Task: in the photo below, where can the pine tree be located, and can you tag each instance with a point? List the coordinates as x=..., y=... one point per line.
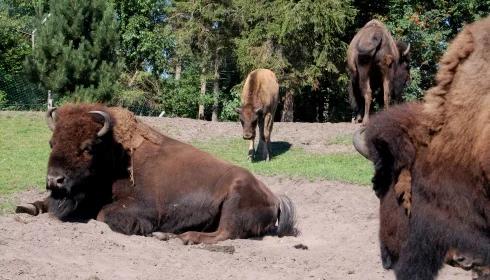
x=75, y=52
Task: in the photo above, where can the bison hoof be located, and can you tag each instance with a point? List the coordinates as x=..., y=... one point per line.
x=30, y=209
x=163, y=236
x=188, y=242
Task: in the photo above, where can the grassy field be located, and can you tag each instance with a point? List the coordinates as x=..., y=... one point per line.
x=295, y=162
x=24, y=152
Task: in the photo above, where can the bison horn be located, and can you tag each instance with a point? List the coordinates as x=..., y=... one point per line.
x=406, y=50
x=50, y=118
x=107, y=122
x=359, y=143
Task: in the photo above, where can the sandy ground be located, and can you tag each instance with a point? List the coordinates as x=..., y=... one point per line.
x=338, y=224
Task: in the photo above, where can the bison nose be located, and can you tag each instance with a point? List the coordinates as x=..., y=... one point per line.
x=54, y=182
x=248, y=136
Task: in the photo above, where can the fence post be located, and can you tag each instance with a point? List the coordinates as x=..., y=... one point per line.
x=50, y=100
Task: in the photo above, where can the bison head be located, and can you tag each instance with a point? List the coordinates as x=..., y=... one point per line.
x=249, y=117
x=80, y=156
x=402, y=70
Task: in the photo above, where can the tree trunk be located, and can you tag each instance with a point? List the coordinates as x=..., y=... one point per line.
x=214, y=116
x=200, y=114
x=288, y=108
x=178, y=70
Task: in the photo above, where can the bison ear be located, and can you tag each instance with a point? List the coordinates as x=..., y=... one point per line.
x=259, y=110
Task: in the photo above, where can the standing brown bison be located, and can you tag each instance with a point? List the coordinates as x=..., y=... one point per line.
x=106, y=164
x=440, y=150
x=375, y=61
x=259, y=99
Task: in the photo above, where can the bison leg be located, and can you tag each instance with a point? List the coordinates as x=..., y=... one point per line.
x=244, y=213
x=355, y=99
x=129, y=216
x=386, y=91
x=364, y=83
x=33, y=209
x=194, y=237
x=251, y=150
x=262, y=145
x=164, y=236
x=268, y=122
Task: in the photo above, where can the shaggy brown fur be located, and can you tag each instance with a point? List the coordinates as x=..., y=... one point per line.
x=139, y=182
x=375, y=61
x=259, y=99
x=391, y=131
x=444, y=146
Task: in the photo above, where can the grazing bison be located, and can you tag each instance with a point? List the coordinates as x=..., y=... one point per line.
x=106, y=164
x=258, y=105
x=441, y=150
x=375, y=61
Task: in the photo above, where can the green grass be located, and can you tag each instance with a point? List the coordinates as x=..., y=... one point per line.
x=295, y=162
x=24, y=151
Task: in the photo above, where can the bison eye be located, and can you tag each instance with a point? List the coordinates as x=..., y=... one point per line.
x=86, y=147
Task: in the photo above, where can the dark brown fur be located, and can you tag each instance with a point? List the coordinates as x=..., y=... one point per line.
x=259, y=99
x=139, y=182
x=375, y=61
x=444, y=144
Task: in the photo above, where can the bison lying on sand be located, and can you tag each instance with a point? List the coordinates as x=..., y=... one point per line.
x=440, y=152
x=106, y=164
x=259, y=99
x=375, y=61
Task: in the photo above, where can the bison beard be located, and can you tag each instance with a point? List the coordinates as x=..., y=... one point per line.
x=105, y=164
x=442, y=144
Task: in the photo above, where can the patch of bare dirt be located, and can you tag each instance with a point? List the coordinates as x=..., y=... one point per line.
x=338, y=224
x=313, y=137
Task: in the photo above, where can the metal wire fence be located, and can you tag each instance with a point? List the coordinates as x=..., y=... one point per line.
x=18, y=93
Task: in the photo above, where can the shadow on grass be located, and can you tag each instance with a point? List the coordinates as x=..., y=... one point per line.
x=278, y=148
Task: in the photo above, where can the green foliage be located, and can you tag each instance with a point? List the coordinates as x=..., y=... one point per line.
x=145, y=39
x=167, y=49
x=182, y=99
x=75, y=51
x=14, y=46
x=230, y=105
x=3, y=98
x=301, y=41
x=429, y=26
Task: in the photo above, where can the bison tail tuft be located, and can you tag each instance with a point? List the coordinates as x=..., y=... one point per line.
x=287, y=217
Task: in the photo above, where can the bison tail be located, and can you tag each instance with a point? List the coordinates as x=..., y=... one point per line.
x=286, y=217
x=369, y=44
